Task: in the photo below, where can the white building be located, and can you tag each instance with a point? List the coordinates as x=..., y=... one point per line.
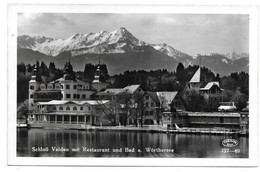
x=65, y=102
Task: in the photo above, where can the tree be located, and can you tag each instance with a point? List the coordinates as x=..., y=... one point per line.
x=194, y=102
x=240, y=99
x=21, y=68
x=52, y=67
x=110, y=110
x=22, y=110
x=44, y=71
x=217, y=78
x=89, y=71
x=180, y=72
x=38, y=75
x=29, y=68
x=135, y=107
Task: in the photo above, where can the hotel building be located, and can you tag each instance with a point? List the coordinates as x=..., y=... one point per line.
x=65, y=102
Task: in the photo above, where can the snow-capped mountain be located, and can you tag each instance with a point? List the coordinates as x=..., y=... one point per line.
x=120, y=50
x=176, y=54
x=118, y=41
x=235, y=56
x=221, y=64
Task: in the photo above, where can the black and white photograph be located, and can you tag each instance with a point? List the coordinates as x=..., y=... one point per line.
x=131, y=83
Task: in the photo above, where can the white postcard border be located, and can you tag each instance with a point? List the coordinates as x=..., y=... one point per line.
x=13, y=9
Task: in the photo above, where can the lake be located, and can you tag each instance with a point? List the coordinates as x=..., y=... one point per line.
x=73, y=143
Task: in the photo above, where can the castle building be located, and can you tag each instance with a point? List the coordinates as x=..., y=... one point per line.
x=63, y=102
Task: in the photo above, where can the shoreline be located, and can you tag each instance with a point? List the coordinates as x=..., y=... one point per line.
x=149, y=129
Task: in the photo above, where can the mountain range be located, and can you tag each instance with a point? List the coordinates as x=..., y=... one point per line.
x=121, y=51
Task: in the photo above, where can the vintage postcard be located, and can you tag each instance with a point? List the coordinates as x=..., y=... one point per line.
x=132, y=85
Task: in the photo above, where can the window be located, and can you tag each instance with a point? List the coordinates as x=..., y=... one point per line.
x=147, y=97
x=61, y=108
x=146, y=104
x=89, y=108
x=74, y=96
x=74, y=108
x=221, y=120
x=151, y=112
x=78, y=96
x=31, y=87
x=31, y=96
x=146, y=112
x=43, y=86
x=67, y=86
x=54, y=108
x=81, y=108
x=67, y=108
x=50, y=86
x=74, y=87
x=68, y=96
x=83, y=96
x=152, y=104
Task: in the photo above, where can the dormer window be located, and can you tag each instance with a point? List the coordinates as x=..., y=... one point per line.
x=57, y=86
x=50, y=86
x=43, y=86
x=31, y=87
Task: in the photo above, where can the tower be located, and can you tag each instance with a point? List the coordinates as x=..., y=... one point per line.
x=97, y=75
x=195, y=82
x=96, y=83
x=33, y=87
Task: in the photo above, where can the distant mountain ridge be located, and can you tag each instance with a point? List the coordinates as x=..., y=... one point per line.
x=119, y=49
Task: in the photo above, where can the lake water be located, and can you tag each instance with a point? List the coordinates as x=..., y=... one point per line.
x=74, y=143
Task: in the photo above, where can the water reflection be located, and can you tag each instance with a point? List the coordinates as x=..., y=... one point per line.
x=184, y=145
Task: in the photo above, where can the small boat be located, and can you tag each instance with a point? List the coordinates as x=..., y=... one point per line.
x=21, y=125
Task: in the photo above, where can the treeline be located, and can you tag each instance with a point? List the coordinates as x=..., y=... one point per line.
x=235, y=85
x=162, y=80
x=236, y=88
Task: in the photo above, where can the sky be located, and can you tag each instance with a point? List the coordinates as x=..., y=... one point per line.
x=189, y=33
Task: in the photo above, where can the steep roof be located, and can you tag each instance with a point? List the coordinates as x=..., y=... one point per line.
x=196, y=76
x=167, y=96
x=211, y=84
x=153, y=95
